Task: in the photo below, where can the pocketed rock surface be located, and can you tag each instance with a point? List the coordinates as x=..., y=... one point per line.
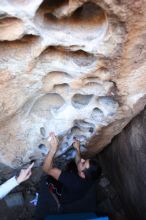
x=75, y=67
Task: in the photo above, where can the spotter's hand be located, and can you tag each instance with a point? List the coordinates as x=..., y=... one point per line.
x=24, y=174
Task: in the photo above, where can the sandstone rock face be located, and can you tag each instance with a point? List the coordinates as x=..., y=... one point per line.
x=75, y=67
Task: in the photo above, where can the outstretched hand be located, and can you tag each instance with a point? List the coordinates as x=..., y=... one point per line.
x=24, y=174
x=53, y=142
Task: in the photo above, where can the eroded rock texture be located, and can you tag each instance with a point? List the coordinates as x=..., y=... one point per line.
x=70, y=66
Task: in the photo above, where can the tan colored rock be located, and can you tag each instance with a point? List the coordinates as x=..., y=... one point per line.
x=11, y=29
x=73, y=67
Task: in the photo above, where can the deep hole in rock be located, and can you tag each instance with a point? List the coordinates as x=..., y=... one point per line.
x=56, y=80
x=80, y=101
x=97, y=115
x=82, y=58
x=108, y=105
x=75, y=130
x=87, y=13
x=29, y=38
x=82, y=124
x=43, y=131
x=50, y=5
x=78, y=133
x=89, y=16
x=46, y=102
x=43, y=149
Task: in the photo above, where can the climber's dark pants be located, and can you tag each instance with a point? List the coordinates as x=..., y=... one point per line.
x=46, y=203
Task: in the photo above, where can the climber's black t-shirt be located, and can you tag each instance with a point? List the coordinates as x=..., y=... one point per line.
x=70, y=186
x=70, y=189
x=73, y=187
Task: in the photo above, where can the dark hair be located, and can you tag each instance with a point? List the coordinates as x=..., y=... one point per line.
x=94, y=170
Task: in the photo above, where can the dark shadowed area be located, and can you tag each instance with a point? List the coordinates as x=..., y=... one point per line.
x=124, y=161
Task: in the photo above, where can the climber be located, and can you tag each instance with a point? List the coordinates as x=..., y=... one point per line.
x=59, y=190
x=10, y=184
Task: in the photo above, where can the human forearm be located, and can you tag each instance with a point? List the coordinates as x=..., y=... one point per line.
x=48, y=161
x=6, y=187
x=53, y=148
x=78, y=156
x=76, y=145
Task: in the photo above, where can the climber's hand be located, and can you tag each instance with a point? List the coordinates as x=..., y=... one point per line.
x=53, y=142
x=76, y=144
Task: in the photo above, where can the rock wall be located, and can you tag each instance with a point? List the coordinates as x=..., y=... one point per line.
x=124, y=162
x=73, y=67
